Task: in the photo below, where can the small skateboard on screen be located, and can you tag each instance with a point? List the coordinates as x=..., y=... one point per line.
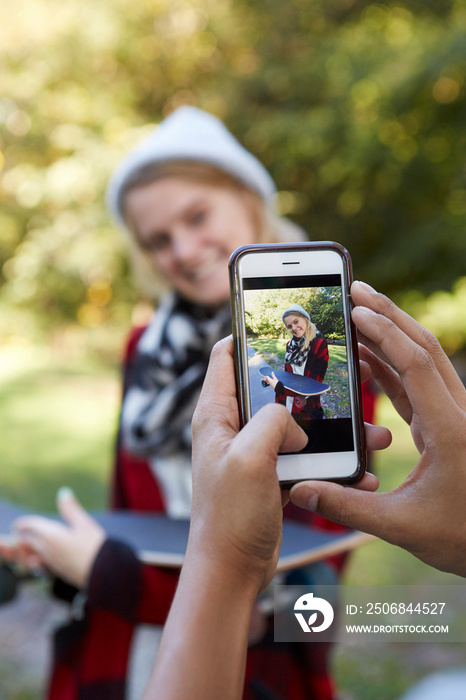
x=294, y=383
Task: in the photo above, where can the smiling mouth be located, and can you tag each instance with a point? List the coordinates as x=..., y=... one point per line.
x=205, y=270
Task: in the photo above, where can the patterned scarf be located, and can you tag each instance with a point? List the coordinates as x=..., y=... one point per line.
x=295, y=354
x=167, y=375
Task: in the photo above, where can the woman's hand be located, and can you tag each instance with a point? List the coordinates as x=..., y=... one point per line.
x=67, y=550
x=272, y=381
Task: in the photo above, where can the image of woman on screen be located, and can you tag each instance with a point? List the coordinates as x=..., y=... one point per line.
x=307, y=355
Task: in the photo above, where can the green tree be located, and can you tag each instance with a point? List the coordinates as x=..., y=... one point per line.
x=356, y=108
x=264, y=310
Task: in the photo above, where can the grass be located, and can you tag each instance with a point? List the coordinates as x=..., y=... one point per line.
x=57, y=428
x=336, y=402
x=272, y=350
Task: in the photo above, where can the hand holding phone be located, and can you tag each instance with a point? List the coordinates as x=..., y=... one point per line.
x=295, y=344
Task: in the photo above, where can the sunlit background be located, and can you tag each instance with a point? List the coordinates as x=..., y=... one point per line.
x=358, y=110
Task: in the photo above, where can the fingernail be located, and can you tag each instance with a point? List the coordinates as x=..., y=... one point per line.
x=64, y=493
x=365, y=310
x=365, y=286
x=305, y=497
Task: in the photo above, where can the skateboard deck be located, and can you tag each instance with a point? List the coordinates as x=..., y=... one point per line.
x=161, y=541
x=296, y=383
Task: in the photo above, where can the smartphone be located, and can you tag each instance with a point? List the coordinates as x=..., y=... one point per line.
x=295, y=344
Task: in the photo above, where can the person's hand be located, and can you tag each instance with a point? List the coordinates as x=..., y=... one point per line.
x=237, y=501
x=425, y=514
x=67, y=550
x=272, y=381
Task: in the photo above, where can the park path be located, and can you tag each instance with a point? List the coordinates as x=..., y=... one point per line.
x=26, y=626
x=260, y=396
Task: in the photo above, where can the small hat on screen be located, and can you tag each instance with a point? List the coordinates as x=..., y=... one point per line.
x=296, y=308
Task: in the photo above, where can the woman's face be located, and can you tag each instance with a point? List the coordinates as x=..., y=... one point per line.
x=296, y=325
x=189, y=231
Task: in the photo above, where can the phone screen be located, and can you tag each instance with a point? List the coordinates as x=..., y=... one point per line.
x=297, y=354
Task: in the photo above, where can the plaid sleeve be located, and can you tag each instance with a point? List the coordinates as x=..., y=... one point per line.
x=122, y=584
x=317, y=359
x=90, y=653
x=280, y=394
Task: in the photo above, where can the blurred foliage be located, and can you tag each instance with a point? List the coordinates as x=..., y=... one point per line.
x=357, y=109
x=443, y=313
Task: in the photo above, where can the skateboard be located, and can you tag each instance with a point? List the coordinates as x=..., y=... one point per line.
x=294, y=383
x=161, y=541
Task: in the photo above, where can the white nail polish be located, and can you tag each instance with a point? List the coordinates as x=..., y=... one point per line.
x=64, y=492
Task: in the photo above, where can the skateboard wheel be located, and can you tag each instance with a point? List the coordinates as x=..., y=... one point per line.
x=264, y=383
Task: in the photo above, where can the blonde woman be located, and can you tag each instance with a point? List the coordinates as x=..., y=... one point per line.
x=307, y=355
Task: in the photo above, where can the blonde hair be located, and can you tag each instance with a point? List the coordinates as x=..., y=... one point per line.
x=310, y=332
x=270, y=227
